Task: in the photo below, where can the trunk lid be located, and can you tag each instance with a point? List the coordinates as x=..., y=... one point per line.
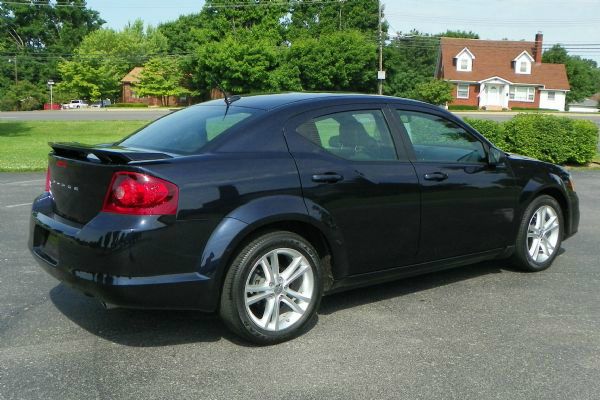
x=80, y=176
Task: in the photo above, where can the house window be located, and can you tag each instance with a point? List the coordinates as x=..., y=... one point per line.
x=551, y=96
x=462, y=91
x=464, y=64
x=523, y=67
x=521, y=93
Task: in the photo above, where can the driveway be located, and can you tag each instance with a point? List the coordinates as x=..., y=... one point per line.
x=479, y=332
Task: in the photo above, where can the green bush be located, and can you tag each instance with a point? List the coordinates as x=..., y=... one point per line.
x=129, y=105
x=559, y=140
x=585, y=135
x=492, y=130
x=458, y=107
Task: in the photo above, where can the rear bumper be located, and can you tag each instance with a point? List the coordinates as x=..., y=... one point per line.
x=122, y=266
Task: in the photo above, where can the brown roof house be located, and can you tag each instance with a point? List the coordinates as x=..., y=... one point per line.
x=129, y=95
x=501, y=74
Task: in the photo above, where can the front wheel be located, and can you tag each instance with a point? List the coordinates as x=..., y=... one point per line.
x=540, y=234
x=272, y=289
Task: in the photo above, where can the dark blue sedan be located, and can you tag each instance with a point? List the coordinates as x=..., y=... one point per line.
x=257, y=206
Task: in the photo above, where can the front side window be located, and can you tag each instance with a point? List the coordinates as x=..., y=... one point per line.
x=189, y=130
x=436, y=139
x=354, y=135
x=521, y=93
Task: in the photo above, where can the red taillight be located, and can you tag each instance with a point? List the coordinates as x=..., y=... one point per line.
x=48, y=179
x=140, y=194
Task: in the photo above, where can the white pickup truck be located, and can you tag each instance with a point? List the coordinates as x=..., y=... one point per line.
x=75, y=104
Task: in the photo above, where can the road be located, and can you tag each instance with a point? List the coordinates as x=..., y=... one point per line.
x=479, y=332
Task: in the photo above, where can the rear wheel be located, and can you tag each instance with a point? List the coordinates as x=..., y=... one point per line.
x=272, y=288
x=540, y=234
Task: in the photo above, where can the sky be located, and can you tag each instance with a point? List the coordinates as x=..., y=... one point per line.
x=572, y=22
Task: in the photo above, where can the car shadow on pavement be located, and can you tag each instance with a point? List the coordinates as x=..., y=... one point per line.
x=154, y=328
x=139, y=328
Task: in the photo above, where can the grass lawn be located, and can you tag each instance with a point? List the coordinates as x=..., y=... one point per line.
x=24, y=144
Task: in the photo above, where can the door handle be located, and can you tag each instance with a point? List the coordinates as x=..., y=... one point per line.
x=329, y=177
x=436, y=176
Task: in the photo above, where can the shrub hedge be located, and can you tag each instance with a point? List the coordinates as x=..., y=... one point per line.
x=129, y=105
x=462, y=107
x=558, y=140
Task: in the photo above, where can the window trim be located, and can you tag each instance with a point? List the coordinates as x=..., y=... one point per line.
x=458, y=89
x=394, y=108
x=553, y=95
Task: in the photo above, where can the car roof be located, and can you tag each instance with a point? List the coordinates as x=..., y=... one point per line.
x=272, y=101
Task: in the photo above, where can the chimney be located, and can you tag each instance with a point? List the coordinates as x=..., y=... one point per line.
x=539, y=39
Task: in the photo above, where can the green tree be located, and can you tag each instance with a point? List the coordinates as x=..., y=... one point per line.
x=23, y=96
x=459, y=34
x=313, y=19
x=583, y=74
x=37, y=32
x=161, y=77
x=106, y=56
x=243, y=66
x=342, y=61
x=434, y=91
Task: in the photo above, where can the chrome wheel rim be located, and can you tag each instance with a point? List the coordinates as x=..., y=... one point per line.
x=279, y=289
x=542, y=234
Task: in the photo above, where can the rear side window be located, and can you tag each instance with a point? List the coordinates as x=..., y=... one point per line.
x=189, y=130
x=354, y=135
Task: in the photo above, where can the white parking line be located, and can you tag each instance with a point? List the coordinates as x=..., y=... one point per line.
x=20, y=182
x=18, y=205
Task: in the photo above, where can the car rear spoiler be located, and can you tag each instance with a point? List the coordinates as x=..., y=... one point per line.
x=106, y=155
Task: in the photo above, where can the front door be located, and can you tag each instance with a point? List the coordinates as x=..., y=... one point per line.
x=493, y=95
x=467, y=206
x=354, y=180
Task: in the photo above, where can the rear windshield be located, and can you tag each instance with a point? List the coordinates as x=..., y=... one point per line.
x=189, y=130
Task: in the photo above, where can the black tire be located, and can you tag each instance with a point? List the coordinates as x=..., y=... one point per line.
x=233, y=309
x=522, y=258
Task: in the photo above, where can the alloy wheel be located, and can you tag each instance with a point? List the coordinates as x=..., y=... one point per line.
x=543, y=234
x=279, y=289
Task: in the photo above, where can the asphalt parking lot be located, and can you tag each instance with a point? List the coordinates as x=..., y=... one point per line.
x=479, y=332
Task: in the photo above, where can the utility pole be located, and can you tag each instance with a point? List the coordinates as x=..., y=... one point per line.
x=50, y=84
x=380, y=72
x=16, y=68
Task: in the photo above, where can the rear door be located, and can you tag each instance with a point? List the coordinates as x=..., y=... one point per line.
x=467, y=205
x=354, y=179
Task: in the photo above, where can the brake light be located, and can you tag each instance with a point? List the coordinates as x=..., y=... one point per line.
x=140, y=194
x=48, y=179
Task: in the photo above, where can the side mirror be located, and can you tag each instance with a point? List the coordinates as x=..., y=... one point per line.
x=496, y=156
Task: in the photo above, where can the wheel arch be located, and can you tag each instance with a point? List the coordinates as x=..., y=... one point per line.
x=284, y=213
x=554, y=191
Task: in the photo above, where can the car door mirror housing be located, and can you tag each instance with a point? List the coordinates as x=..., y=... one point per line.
x=496, y=156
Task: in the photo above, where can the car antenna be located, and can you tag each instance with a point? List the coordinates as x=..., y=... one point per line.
x=228, y=98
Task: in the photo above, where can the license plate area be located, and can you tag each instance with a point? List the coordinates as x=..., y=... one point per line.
x=46, y=244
